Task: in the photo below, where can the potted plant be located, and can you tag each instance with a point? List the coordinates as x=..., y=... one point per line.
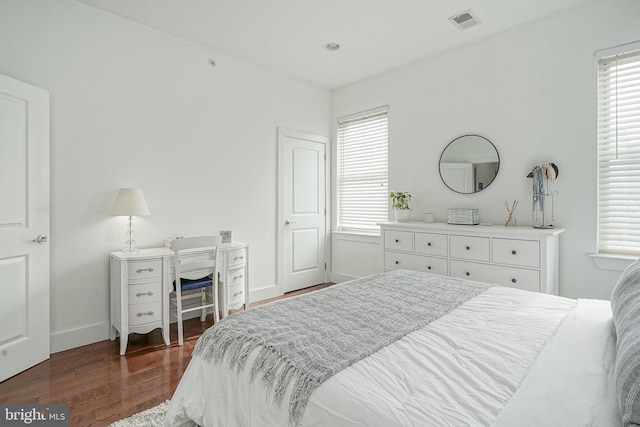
x=400, y=204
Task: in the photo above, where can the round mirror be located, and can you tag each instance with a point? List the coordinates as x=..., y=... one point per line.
x=469, y=164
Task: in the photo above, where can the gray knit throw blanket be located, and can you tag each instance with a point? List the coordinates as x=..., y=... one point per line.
x=306, y=339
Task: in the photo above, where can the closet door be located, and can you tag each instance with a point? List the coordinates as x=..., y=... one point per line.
x=302, y=217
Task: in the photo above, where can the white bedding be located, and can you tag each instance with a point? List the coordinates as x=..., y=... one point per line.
x=504, y=358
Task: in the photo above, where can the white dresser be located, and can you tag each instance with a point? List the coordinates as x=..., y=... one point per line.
x=519, y=257
x=141, y=283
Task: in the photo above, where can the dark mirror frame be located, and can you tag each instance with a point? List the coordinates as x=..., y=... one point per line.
x=481, y=139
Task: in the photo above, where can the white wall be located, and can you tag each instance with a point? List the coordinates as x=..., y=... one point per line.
x=134, y=107
x=532, y=92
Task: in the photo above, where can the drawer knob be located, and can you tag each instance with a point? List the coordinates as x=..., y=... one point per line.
x=238, y=257
x=139, y=294
x=140, y=270
x=429, y=244
x=513, y=280
x=428, y=267
x=240, y=276
x=397, y=240
x=397, y=262
x=468, y=248
x=513, y=252
x=467, y=273
x=149, y=313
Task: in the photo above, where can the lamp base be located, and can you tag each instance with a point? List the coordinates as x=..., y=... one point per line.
x=130, y=245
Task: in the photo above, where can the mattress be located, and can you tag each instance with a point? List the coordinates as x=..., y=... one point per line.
x=506, y=357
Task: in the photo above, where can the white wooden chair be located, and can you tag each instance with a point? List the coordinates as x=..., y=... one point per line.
x=195, y=272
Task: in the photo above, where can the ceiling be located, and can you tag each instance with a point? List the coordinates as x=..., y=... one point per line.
x=289, y=36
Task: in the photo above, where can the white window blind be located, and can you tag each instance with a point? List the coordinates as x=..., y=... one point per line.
x=363, y=178
x=619, y=151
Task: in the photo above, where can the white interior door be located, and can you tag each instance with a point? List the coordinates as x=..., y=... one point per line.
x=302, y=210
x=24, y=226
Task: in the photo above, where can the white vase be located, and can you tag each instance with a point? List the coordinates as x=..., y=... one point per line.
x=403, y=214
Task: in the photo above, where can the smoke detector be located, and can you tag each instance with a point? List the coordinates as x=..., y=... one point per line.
x=465, y=19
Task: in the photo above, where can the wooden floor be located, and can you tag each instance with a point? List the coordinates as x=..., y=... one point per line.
x=100, y=385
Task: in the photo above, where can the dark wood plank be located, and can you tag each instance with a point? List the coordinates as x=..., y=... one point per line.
x=101, y=386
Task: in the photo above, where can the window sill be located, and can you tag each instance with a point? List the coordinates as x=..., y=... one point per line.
x=612, y=262
x=356, y=235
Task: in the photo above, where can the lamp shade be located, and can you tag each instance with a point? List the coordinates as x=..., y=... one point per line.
x=130, y=202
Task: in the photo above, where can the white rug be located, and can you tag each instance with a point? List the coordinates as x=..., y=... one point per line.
x=153, y=417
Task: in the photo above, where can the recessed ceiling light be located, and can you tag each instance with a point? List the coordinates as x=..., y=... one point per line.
x=332, y=46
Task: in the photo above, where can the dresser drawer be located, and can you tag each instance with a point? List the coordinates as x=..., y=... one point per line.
x=236, y=296
x=141, y=314
x=235, y=288
x=398, y=240
x=471, y=248
x=525, y=253
x=144, y=269
x=236, y=277
x=528, y=280
x=237, y=258
x=146, y=292
x=431, y=244
x=397, y=260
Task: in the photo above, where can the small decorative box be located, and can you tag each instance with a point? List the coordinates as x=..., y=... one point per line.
x=463, y=216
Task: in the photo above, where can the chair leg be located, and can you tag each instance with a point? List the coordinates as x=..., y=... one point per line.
x=216, y=306
x=179, y=317
x=203, y=298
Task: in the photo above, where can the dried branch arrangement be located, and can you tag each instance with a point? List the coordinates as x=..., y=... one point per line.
x=511, y=220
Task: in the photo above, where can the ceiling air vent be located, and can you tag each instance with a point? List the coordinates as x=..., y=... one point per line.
x=464, y=20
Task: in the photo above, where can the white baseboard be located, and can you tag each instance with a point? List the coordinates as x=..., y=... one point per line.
x=336, y=277
x=77, y=337
x=90, y=334
x=266, y=292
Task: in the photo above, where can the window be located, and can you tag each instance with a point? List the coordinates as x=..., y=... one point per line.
x=619, y=150
x=363, y=178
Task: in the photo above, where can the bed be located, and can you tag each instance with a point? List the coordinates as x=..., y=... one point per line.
x=404, y=348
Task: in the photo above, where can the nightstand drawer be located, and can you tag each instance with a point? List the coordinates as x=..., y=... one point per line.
x=516, y=252
x=471, y=248
x=144, y=269
x=141, y=314
x=146, y=292
x=431, y=244
x=398, y=240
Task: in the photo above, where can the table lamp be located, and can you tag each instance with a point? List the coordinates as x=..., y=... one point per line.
x=130, y=202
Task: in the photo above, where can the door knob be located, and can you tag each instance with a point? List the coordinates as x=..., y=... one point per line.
x=41, y=239
x=287, y=222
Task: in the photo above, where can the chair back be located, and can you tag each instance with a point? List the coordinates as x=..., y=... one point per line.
x=194, y=267
x=195, y=263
